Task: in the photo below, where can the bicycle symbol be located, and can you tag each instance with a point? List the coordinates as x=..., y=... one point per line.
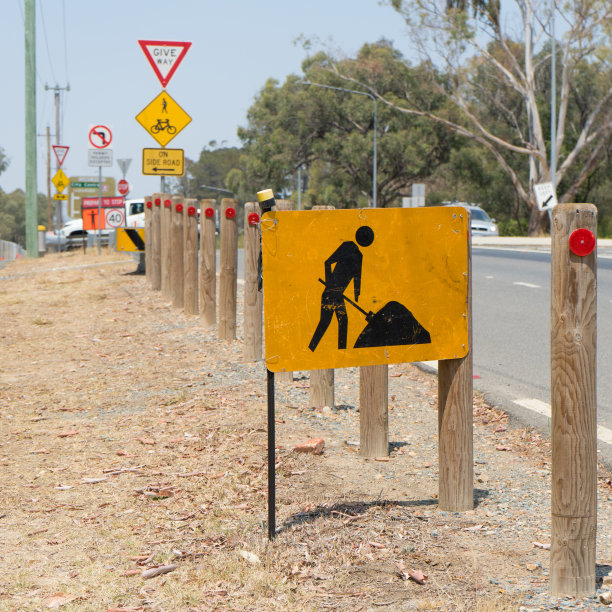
x=162, y=125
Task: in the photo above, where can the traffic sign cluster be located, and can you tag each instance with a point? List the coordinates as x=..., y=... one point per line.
x=163, y=118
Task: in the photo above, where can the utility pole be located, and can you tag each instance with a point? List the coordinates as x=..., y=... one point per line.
x=58, y=137
x=31, y=225
x=49, y=209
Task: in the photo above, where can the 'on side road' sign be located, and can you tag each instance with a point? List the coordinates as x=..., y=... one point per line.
x=347, y=288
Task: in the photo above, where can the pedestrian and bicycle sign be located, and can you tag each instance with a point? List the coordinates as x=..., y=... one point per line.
x=100, y=136
x=60, y=180
x=164, y=57
x=163, y=118
x=163, y=162
x=347, y=288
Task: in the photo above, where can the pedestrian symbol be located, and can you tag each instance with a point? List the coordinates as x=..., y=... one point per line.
x=163, y=118
x=364, y=287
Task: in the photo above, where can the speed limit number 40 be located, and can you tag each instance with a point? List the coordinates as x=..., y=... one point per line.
x=114, y=218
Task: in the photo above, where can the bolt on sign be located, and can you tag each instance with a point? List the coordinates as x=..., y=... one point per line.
x=163, y=118
x=346, y=288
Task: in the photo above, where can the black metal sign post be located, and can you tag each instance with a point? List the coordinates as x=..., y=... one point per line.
x=271, y=459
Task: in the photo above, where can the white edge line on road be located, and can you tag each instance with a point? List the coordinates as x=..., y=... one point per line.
x=603, y=433
x=530, y=285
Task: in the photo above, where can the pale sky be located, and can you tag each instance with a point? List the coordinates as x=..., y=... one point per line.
x=93, y=46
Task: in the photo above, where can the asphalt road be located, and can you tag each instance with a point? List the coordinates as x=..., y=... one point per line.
x=511, y=325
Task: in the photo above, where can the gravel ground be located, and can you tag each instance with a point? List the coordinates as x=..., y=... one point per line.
x=348, y=525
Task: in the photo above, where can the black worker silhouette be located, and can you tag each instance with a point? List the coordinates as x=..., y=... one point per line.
x=392, y=325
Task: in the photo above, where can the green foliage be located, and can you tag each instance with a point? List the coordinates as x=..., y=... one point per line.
x=12, y=215
x=329, y=132
x=4, y=162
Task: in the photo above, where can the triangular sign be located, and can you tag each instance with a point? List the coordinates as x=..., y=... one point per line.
x=60, y=153
x=164, y=57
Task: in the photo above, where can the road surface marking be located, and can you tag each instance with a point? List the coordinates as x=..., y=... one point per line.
x=489, y=276
x=603, y=433
x=530, y=285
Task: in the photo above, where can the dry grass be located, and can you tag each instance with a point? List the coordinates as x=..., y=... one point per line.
x=129, y=442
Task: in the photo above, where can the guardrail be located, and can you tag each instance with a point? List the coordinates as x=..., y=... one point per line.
x=10, y=251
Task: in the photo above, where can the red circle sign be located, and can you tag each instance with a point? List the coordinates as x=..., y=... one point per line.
x=123, y=187
x=100, y=136
x=582, y=242
x=209, y=212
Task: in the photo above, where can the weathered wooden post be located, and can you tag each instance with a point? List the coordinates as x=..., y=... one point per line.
x=455, y=421
x=190, y=258
x=284, y=376
x=166, y=241
x=208, y=263
x=228, y=270
x=253, y=299
x=156, y=243
x=373, y=411
x=176, y=253
x=573, y=398
x=321, y=392
x=148, y=212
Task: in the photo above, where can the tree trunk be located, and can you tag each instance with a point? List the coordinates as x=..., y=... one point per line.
x=538, y=222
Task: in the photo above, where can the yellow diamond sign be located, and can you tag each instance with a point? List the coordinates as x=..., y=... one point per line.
x=60, y=180
x=346, y=288
x=163, y=118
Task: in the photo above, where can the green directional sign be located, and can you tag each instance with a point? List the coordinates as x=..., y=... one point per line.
x=84, y=185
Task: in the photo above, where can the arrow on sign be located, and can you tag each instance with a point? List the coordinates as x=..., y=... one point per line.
x=164, y=57
x=164, y=170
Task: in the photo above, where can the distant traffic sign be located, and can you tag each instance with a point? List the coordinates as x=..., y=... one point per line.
x=60, y=153
x=60, y=196
x=84, y=185
x=100, y=136
x=123, y=187
x=161, y=162
x=60, y=180
x=164, y=57
x=163, y=118
x=546, y=197
x=100, y=157
x=346, y=288
x=114, y=217
x=108, y=202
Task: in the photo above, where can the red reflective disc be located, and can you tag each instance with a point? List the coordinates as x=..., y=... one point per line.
x=157, y=201
x=209, y=212
x=149, y=204
x=253, y=218
x=167, y=203
x=191, y=211
x=582, y=242
x=179, y=208
x=230, y=213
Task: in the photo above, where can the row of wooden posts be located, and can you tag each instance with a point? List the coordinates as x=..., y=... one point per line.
x=172, y=267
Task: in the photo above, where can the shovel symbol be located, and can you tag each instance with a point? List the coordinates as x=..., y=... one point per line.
x=368, y=315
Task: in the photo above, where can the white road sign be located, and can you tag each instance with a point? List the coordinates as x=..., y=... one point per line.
x=114, y=217
x=100, y=157
x=546, y=197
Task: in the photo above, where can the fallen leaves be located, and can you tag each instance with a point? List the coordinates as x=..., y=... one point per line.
x=144, y=440
x=415, y=575
x=158, y=571
x=57, y=600
x=68, y=434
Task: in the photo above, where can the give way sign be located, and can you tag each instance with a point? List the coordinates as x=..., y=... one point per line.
x=164, y=57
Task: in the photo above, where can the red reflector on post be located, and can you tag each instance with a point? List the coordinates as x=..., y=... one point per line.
x=191, y=211
x=149, y=204
x=230, y=213
x=582, y=242
x=209, y=212
x=179, y=208
x=157, y=202
x=167, y=203
x=253, y=219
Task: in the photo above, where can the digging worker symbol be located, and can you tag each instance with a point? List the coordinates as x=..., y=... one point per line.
x=342, y=267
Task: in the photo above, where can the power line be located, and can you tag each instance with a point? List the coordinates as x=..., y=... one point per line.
x=44, y=25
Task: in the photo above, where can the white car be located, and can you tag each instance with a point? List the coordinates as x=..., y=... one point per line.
x=482, y=224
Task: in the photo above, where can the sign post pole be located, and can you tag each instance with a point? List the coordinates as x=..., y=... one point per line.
x=271, y=459
x=99, y=210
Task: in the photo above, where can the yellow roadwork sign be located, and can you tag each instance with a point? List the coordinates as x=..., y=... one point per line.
x=60, y=196
x=60, y=180
x=347, y=288
x=130, y=239
x=163, y=118
x=162, y=162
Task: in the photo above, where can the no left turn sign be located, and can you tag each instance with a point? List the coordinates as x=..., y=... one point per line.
x=100, y=136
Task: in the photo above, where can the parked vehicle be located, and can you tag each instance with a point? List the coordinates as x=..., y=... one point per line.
x=72, y=235
x=482, y=224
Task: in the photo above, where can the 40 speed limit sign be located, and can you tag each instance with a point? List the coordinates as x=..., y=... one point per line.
x=114, y=217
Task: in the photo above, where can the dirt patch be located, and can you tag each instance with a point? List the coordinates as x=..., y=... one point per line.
x=132, y=439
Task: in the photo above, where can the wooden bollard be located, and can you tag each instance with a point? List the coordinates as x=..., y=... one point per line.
x=284, y=376
x=373, y=411
x=321, y=392
x=253, y=298
x=208, y=263
x=176, y=252
x=573, y=399
x=156, y=242
x=455, y=422
x=190, y=257
x=228, y=270
x=148, y=215
x=166, y=241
